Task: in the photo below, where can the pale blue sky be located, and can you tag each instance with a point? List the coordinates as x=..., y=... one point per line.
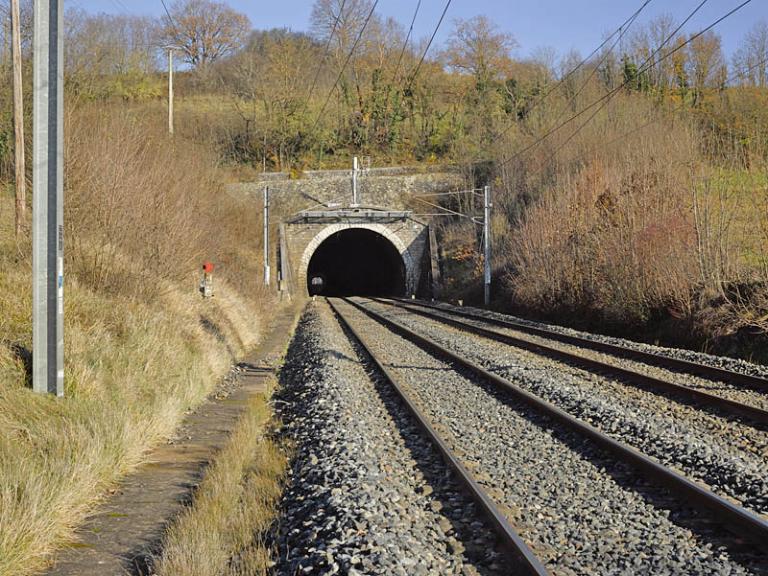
x=561, y=24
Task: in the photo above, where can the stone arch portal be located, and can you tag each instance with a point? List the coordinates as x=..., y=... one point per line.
x=368, y=258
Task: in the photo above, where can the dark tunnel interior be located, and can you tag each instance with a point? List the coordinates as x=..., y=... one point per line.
x=356, y=262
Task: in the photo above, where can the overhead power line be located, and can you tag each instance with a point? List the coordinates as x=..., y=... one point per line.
x=344, y=66
x=171, y=21
x=326, y=49
x=405, y=44
x=429, y=44
x=621, y=30
x=680, y=106
x=644, y=68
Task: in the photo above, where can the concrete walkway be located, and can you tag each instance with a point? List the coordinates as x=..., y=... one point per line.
x=122, y=533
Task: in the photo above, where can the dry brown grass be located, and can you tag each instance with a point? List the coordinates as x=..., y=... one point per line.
x=223, y=531
x=626, y=228
x=616, y=238
x=140, y=211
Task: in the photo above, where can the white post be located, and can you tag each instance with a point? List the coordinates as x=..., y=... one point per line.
x=487, y=245
x=48, y=188
x=170, y=90
x=355, y=201
x=266, y=236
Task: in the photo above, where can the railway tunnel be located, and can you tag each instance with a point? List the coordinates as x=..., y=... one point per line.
x=356, y=262
x=355, y=251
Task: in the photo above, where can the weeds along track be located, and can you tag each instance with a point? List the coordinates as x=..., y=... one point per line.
x=583, y=497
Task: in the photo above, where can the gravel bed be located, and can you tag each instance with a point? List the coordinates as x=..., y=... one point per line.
x=580, y=510
x=723, y=389
x=727, y=456
x=726, y=362
x=366, y=492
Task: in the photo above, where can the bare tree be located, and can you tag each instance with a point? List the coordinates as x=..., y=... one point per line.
x=706, y=62
x=478, y=47
x=205, y=30
x=351, y=16
x=751, y=59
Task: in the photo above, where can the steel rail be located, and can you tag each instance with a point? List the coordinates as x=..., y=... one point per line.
x=740, y=521
x=709, y=372
x=522, y=557
x=634, y=377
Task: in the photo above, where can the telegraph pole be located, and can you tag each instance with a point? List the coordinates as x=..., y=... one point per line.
x=170, y=89
x=355, y=170
x=48, y=205
x=487, y=245
x=266, y=236
x=18, y=118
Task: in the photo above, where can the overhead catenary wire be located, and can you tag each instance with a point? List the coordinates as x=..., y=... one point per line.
x=326, y=50
x=609, y=95
x=608, y=100
x=621, y=30
x=429, y=44
x=680, y=106
x=344, y=66
x=405, y=43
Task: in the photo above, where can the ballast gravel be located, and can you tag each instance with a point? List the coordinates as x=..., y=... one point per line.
x=727, y=456
x=738, y=393
x=580, y=510
x=366, y=492
x=725, y=362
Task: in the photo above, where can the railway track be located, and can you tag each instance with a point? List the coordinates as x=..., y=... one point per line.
x=604, y=363
x=714, y=373
x=523, y=561
x=721, y=512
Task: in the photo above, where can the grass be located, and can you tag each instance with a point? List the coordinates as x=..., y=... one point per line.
x=133, y=367
x=223, y=531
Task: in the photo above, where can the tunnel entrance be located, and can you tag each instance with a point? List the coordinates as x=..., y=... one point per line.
x=356, y=262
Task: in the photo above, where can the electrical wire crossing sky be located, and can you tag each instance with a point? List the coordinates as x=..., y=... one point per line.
x=561, y=25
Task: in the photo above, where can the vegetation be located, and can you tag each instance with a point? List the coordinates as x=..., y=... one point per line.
x=225, y=530
x=141, y=346
x=647, y=212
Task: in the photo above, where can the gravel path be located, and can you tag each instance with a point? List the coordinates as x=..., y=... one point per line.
x=726, y=455
x=579, y=510
x=733, y=364
x=723, y=389
x=367, y=494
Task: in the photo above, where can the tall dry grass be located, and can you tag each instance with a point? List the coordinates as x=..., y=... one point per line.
x=224, y=531
x=631, y=222
x=142, y=212
x=615, y=237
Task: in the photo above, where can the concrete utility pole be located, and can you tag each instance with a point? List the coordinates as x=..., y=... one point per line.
x=355, y=170
x=48, y=200
x=18, y=118
x=487, y=245
x=170, y=89
x=266, y=236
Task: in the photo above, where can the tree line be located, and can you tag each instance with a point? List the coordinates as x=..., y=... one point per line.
x=299, y=99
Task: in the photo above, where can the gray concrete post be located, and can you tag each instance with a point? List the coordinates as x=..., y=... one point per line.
x=48, y=200
x=267, y=269
x=487, y=245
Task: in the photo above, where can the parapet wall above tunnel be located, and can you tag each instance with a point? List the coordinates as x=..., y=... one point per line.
x=389, y=187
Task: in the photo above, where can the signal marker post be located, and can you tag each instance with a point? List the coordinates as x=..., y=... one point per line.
x=267, y=269
x=487, y=245
x=48, y=200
